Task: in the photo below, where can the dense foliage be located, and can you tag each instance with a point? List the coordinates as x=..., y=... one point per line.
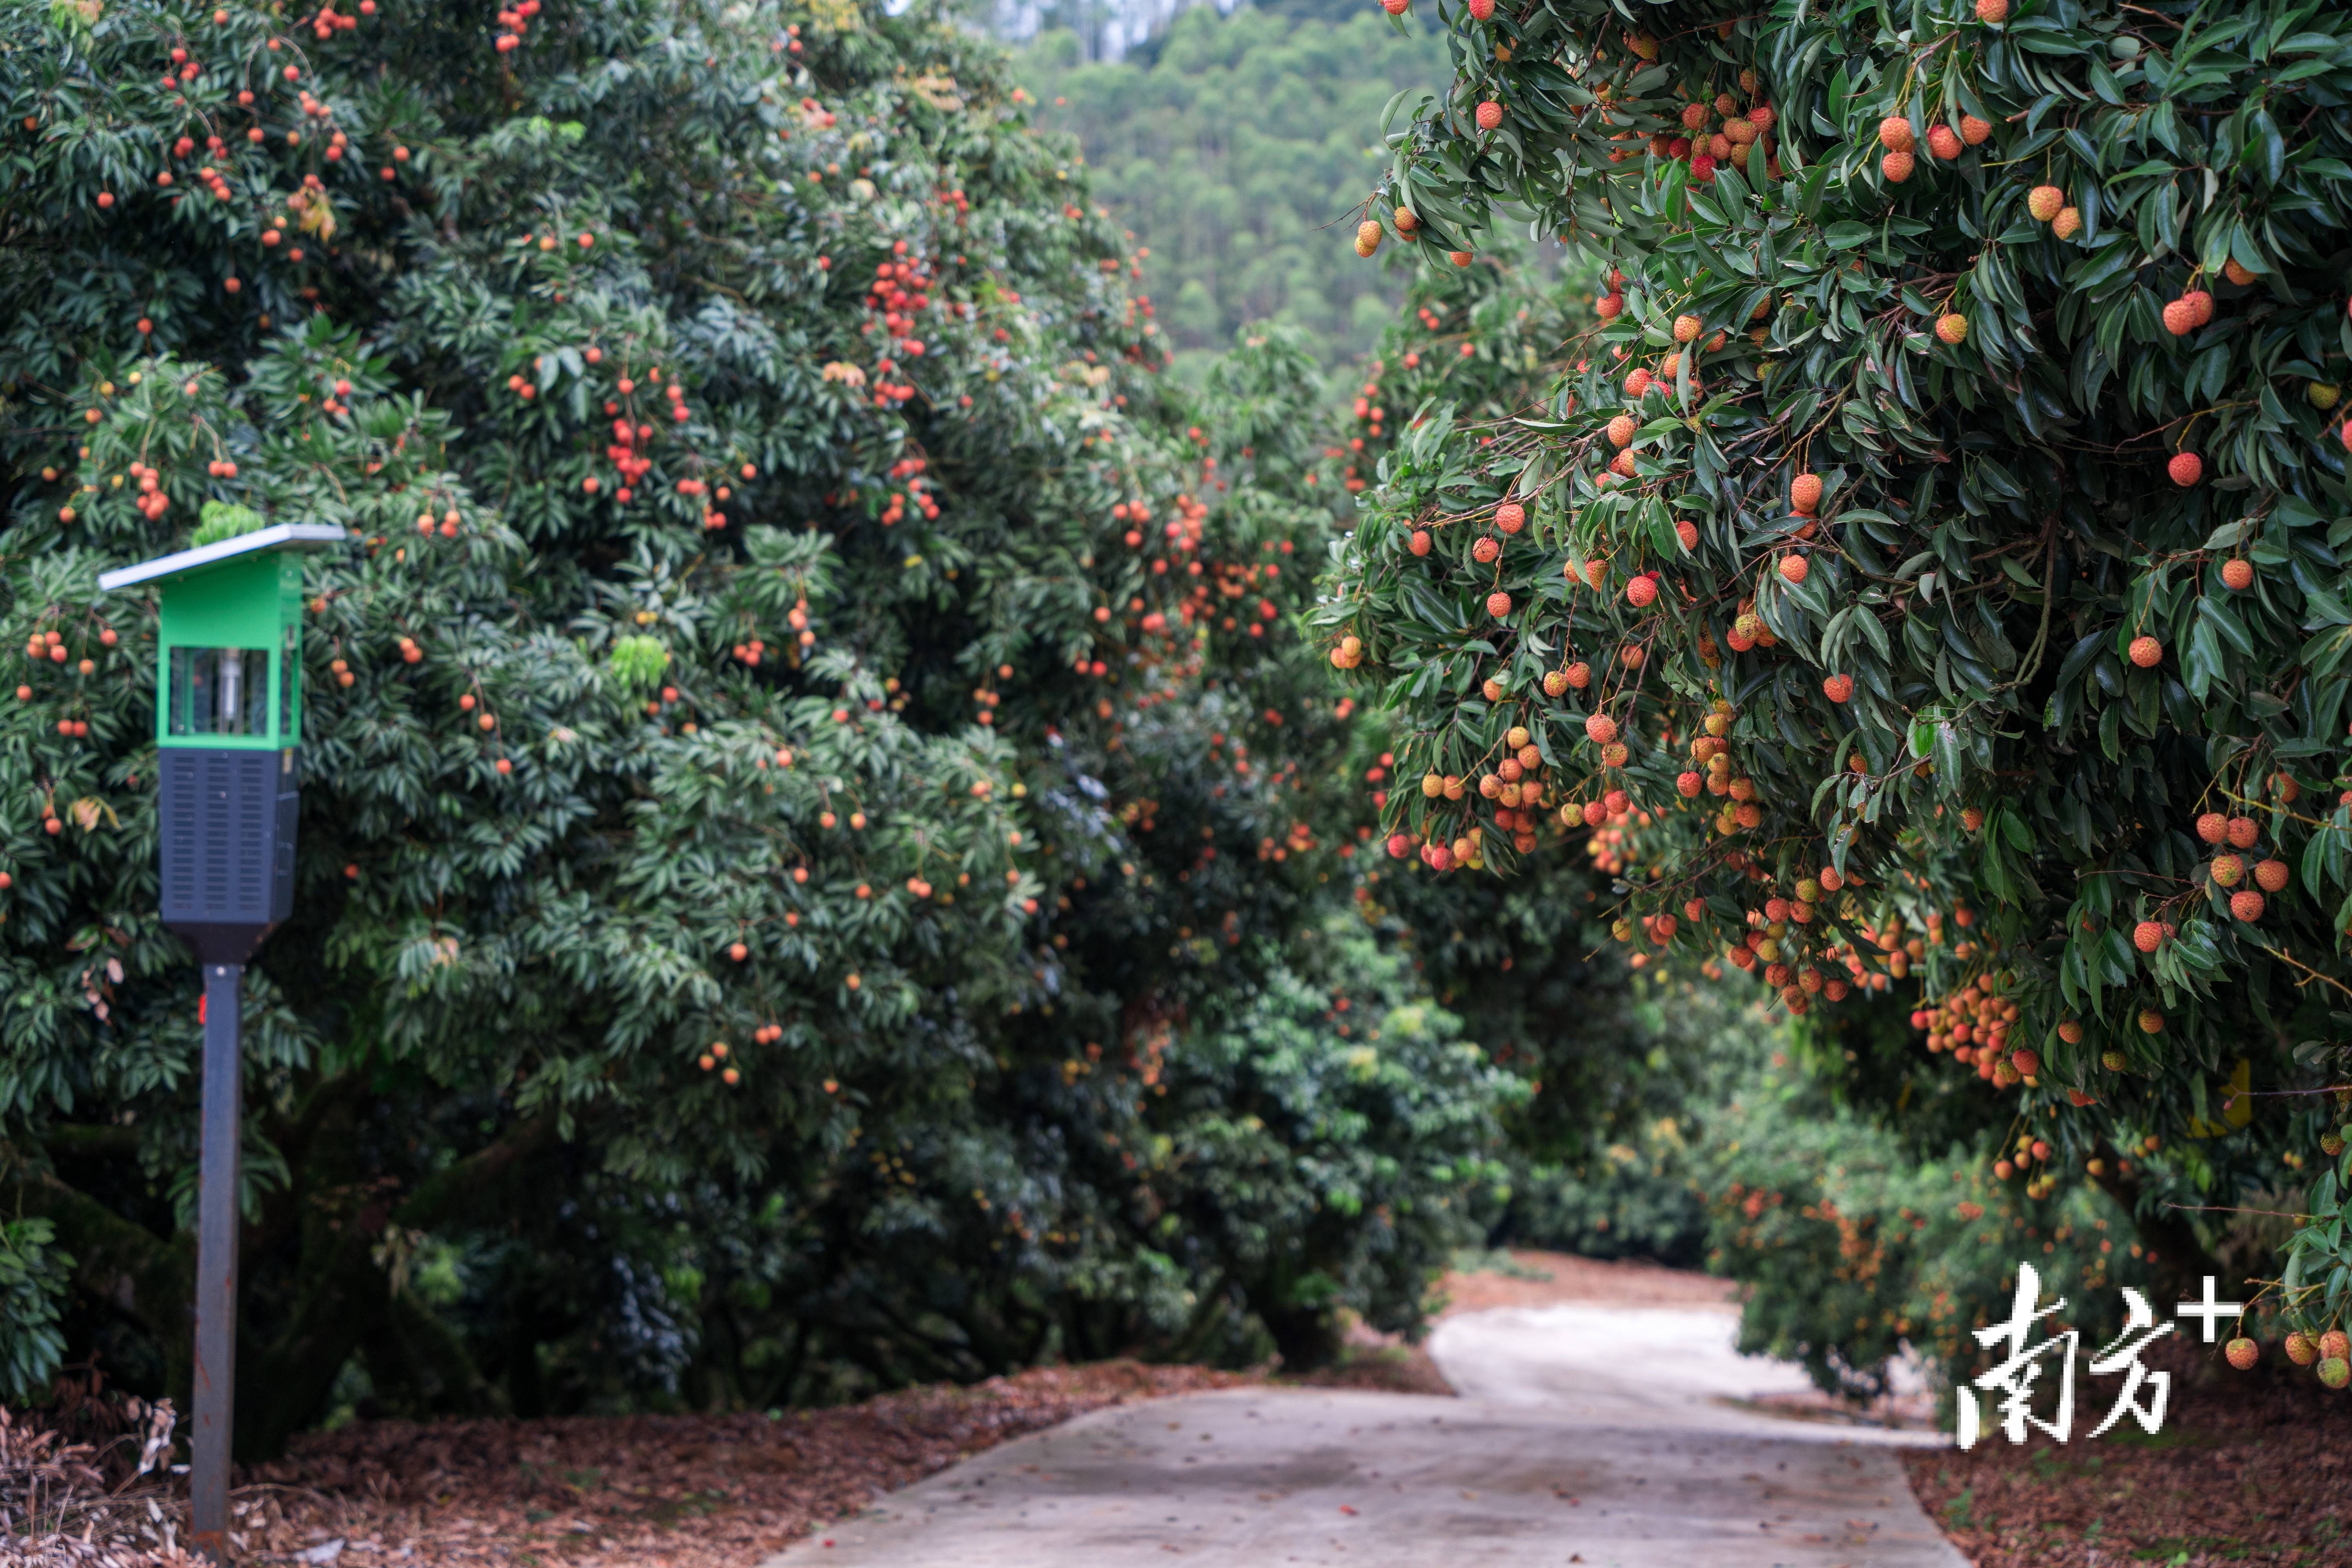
x=1929, y=571
x=1235, y=147
x=820, y=838
x=1519, y=961
x=1855, y=1248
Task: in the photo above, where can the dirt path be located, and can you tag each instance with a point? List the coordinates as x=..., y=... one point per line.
x=1592, y=1428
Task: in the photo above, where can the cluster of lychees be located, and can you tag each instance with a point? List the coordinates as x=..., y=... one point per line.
x=1716, y=133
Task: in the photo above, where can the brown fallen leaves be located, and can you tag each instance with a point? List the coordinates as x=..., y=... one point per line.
x=81, y=1483
x=2253, y=1467
x=1524, y=1277
x=651, y=1491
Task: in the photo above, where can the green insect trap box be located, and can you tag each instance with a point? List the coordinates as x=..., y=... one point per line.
x=228, y=722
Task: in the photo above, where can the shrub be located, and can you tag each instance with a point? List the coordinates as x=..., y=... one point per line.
x=33, y=1281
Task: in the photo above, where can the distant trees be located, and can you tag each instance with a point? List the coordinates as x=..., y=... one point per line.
x=1238, y=150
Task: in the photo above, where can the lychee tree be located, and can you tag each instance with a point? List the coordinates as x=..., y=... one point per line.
x=1526, y=961
x=1930, y=565
x=806, y=730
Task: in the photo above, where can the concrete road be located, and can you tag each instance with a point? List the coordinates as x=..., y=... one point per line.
x=1607, y=1365
x=1585, y=1435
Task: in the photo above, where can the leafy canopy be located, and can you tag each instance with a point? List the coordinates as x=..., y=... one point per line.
x=817, y=818
x=1931, y=567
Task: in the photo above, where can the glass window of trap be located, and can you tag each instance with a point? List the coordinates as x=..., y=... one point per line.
x=220, y=691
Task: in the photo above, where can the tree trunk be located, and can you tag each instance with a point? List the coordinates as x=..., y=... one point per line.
x=2177, y=1258
x=1306, y=1338
x=148, y=1278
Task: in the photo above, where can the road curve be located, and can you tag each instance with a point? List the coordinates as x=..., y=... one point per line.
x=1585, y=1434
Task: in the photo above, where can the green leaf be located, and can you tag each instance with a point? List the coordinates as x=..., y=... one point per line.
x=2226, y=622
x=223, y=520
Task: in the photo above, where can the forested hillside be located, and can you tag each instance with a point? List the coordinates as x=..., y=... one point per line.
x=1238, y=150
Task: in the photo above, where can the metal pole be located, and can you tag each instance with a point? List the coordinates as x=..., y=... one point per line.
x=217, y=1222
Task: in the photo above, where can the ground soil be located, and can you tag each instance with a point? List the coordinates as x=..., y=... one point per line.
x=650, y=1492
x=2247, y=1468
x=1527, y=1279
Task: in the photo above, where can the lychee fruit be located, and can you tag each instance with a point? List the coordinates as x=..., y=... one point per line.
x=2147, y=652
x=2045, y=201
x=2238, y=572
x=2186, y=468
